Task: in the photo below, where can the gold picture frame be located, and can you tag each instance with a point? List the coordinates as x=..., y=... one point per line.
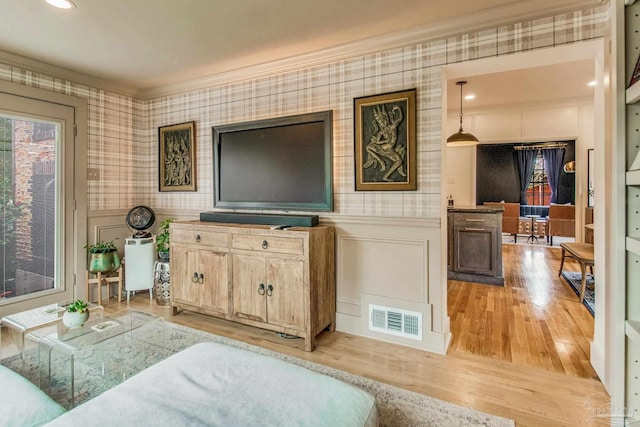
x=177, y=157
x=385, y=141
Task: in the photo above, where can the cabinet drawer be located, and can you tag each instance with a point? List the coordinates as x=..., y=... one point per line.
x=475, y=220
x=285, y=245
x=475, y=250
x=205, y=238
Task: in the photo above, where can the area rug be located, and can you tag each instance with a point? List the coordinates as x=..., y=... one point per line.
x=574, y=279
x=132, y=353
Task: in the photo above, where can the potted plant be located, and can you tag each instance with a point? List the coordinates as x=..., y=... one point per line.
x=76, y=315
x=162, y=239
x=103, y=257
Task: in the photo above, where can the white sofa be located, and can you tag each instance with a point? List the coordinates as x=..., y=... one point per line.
x=23, y=404
x=213, y=384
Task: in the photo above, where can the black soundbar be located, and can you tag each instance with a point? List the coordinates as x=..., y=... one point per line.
x=268, y=219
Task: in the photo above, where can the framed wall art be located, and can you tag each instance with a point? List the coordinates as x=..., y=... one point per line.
x=385, y=141
x=177, y=157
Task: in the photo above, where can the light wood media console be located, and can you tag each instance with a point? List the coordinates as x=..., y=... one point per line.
x=281, y=280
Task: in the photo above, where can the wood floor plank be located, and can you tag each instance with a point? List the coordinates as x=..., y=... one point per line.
x=546, y=326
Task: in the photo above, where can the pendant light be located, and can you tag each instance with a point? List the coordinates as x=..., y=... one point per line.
x=461, y=138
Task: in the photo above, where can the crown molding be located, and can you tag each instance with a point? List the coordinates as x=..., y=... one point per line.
x=530, y=140
x=486, y=19
x=65, y=74
x=575, y=101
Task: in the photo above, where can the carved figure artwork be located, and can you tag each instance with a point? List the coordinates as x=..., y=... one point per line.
x=385, y=141
x=383, y=146
x=177, y=157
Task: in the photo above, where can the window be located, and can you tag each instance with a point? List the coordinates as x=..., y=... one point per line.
x=43, y=131
x=30, y=208
x=28, y=194
x=7, y=209
x=539, y=192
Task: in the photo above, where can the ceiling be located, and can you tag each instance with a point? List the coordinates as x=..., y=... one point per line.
x=568, y=80
x=146, y=44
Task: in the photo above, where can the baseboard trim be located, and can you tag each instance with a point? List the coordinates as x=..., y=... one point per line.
x=597, y=361
x=475, y=278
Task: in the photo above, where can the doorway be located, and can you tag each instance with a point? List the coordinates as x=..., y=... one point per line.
x=37, y=181
x=531, y=261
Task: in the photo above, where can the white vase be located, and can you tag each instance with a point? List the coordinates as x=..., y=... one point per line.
x=74, y=320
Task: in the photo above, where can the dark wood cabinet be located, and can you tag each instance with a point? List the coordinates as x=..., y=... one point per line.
x=475, y=246
x=475, y=252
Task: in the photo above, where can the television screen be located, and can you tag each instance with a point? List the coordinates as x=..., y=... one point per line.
x=283, y=163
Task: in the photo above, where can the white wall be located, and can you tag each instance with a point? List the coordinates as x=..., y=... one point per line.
x=461, y=174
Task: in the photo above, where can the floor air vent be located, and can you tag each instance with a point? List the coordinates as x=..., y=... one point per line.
x=392, y=321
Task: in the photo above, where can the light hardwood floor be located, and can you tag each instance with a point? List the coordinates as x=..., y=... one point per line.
x=524, y=383
x=534, y=320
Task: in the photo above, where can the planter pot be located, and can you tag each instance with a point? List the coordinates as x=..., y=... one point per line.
x=73, y=320
x=104, y=263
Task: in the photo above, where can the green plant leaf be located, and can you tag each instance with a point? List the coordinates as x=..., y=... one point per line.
x=101, y=247
x=77, y=306
x=163, y=236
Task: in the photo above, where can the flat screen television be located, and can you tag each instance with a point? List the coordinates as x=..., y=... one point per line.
x=283, y=163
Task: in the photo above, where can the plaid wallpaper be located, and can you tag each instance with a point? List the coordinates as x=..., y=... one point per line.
x=123, y=131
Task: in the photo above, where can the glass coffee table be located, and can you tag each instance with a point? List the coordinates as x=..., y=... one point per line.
x=101, y=345
x=37, y=318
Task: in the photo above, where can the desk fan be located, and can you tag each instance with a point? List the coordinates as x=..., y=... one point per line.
x=140, y=219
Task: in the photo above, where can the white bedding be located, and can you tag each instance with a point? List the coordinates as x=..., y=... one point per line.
x=213, y=384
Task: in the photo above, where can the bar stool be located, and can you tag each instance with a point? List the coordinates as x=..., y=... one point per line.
x=103, y=279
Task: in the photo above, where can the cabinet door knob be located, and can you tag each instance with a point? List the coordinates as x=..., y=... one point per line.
x=265, y=244
x=261, y=289
x=198, y=238
x=201, y=278
x=269, y=290
x=194, y=278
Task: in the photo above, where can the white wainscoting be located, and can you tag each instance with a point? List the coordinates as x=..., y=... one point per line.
x=395, y=263
x=104, y=226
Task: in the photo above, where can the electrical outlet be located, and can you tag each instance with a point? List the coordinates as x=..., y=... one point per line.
x=93, y=174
